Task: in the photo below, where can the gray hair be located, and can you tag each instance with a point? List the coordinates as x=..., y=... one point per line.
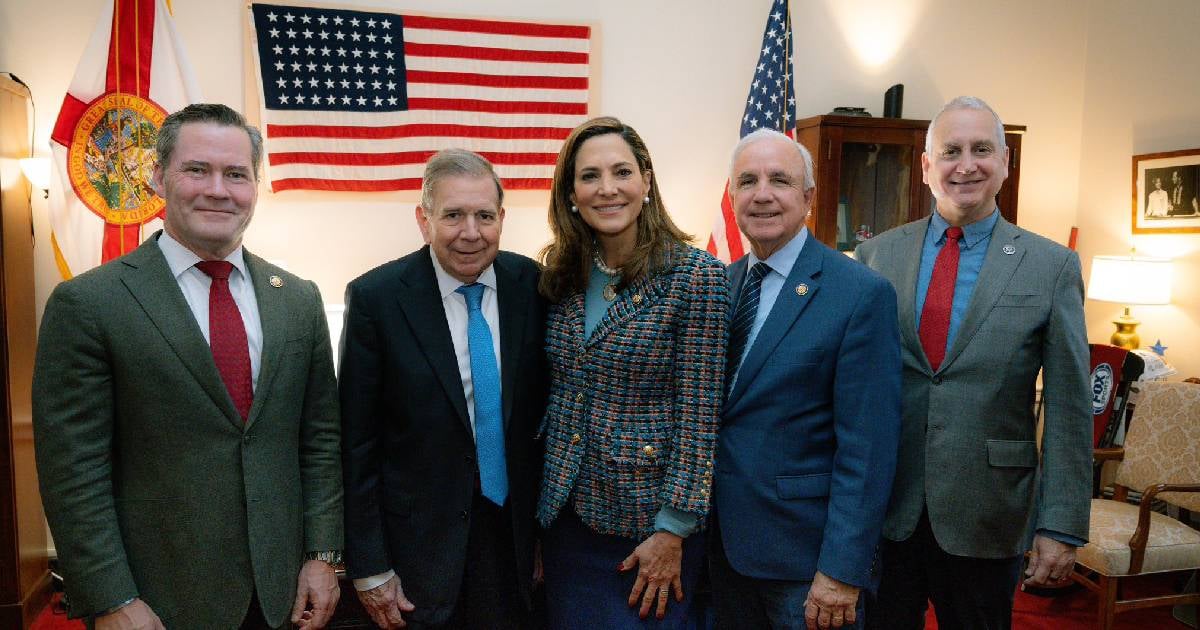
x=966, y=102
x=767, y=132
x=215, y=113
x=456, y=163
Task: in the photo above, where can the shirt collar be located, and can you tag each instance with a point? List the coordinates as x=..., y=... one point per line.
x=972, y=232
x=448, y=284
x=781, y=262
x=180, y=258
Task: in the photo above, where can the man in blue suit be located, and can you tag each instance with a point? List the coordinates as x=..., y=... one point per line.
x=810, y=426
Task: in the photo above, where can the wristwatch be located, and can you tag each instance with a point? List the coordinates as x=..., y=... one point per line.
x=332, y=558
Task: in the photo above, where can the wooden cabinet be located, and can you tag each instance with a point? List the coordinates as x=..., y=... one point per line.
x=24, y=575
x=868, y=173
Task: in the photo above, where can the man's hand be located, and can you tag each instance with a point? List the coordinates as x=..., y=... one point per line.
x=135, y=615
x=659, y=558
x=1050, y=562
x=317, y=587
x=830, y=603
x=385, y=603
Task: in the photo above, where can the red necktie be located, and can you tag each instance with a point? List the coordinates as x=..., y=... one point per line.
x=227, y=336
x=939, y=299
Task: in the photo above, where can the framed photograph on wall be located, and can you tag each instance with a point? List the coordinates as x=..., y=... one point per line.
x=1166, y=192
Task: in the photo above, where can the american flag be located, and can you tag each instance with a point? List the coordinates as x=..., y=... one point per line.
x=358, y=100
x=771, y=103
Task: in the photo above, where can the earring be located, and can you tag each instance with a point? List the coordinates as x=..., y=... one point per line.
x=574, y=209
x=646, y=200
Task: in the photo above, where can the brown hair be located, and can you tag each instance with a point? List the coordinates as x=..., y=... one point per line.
x=568, y=257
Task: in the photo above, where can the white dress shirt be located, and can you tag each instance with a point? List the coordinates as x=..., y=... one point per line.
x=195, y=285
x=455, y=306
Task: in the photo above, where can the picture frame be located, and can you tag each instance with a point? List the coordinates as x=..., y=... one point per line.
x=1166, y=192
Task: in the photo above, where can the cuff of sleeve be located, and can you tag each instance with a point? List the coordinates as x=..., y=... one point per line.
x=368, y=583
x=1065, y=539
x=112, y=609
x=675, y=521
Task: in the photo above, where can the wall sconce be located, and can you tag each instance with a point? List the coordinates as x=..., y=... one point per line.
x=37, y=171
x=1129, y=280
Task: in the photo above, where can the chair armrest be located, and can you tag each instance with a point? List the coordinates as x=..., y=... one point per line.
x=1137, y=542
x=1116, y=453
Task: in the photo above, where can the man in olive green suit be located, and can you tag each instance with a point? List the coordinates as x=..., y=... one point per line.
x=188, y=443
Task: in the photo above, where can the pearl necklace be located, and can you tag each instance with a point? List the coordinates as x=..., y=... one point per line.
x=610, y=288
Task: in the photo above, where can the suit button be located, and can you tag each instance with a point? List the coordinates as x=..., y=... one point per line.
x=246, y=438
x=463, y=515
x=576, y=438
x=648, y=450
x=579, y=397
x=937, y=379
x=469, y=458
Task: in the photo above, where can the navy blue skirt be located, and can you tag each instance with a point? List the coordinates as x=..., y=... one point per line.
x=584, y=589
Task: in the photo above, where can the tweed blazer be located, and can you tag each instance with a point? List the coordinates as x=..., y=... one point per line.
x=633, y=412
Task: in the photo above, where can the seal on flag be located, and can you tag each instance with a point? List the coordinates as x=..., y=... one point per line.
x=111, y=158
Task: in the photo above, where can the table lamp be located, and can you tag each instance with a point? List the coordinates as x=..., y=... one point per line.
x=1129, y=280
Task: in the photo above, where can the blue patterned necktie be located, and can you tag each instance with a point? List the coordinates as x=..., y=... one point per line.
x=743, y=320
x=489, y=425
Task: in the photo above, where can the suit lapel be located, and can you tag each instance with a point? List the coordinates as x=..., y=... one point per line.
x=629, y=303
x=514, y=309
x=787, y=308
x=148, y=278
x=906, y=255
x=421, y=302
x=998, y=268
x=272, y=314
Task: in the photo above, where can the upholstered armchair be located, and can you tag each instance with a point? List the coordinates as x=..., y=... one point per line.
x=1160, y=458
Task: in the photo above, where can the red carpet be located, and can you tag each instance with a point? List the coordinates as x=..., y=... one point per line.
x=1073, y=611
x=1076, y=610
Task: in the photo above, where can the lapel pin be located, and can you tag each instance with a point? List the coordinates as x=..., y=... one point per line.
x=637, y=298
x=276, y=281
x=802, y=289
x=1009, y=249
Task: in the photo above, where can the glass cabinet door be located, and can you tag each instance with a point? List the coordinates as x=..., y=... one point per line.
x=874, y=193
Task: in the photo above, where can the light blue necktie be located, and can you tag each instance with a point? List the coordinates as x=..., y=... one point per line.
x=489, y=424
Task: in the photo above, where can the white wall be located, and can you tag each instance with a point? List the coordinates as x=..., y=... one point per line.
x=678, y=70
x=1142, y=95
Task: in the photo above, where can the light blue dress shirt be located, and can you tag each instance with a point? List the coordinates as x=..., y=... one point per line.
x=781, y=263
x=972, y=248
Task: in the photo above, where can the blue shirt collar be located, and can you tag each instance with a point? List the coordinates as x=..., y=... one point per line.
x=972, y=232
x=781, y=262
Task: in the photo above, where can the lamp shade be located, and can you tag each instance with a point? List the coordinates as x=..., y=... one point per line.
x=37, y=171
x=1130, y=280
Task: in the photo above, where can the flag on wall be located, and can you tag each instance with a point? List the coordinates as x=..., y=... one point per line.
x=359, y=100
x=132, y=74
x=772, y=104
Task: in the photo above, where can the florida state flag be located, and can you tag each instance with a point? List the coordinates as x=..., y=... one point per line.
x=133, y=72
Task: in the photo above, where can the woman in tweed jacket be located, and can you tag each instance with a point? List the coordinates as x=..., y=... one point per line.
x=636, y=341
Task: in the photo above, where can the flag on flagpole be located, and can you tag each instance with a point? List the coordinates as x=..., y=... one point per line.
x=358, y=100
x=772, y=104
x=132, y=73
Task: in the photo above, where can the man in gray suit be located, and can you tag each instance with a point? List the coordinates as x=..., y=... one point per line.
x=983, y=307
x=185, y=413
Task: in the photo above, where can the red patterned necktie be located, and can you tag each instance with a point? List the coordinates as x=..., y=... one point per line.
x=939, y=299
x=227, y=336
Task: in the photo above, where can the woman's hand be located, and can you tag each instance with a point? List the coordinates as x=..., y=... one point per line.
x=657, y=559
